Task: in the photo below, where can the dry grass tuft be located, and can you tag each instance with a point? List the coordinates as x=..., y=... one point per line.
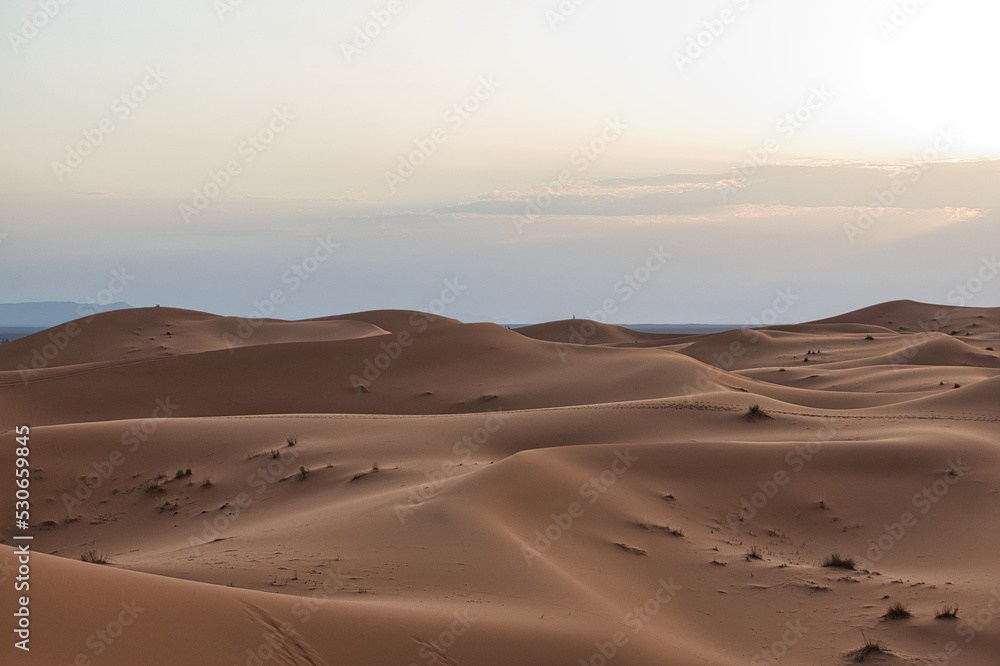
x=838, y=561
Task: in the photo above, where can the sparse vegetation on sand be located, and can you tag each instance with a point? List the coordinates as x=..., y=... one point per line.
x=663, y=528
x=756, y=412
x=871, y=645
x=897, y=610
x=274, y=453
x=954, y=470
x=154, y=485
x=374, y=468
x=631, y=549
x=838, y=561
x=94, y=556
x=947, y=612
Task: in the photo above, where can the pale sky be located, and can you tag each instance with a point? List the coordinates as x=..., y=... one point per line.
x=534, y=155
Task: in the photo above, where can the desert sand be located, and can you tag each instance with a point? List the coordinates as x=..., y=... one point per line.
x=397, y=488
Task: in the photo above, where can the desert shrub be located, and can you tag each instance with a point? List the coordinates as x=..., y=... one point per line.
x=838, y=561
x=897, y=610
x=94, y=556
x=947, y=612
x=870, y=646
x=755, y=412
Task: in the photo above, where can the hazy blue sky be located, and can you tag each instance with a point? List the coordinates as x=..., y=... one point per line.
x=514, y=160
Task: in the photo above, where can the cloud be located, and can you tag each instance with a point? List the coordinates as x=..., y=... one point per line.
x=961, y=186
x=98, y=193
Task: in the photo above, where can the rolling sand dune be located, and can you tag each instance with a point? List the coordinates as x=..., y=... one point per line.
x=918, y=316
x=396, y=488
x=573, y=331
x=139, y=334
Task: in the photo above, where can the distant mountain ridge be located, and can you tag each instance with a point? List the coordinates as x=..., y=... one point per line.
x=44, y=314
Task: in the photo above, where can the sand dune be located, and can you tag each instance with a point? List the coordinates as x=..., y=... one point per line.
x=582, y=332
x=396, y=488
x=139, y=334
x=449, y=369
x=395, y=321
x=916, y=316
